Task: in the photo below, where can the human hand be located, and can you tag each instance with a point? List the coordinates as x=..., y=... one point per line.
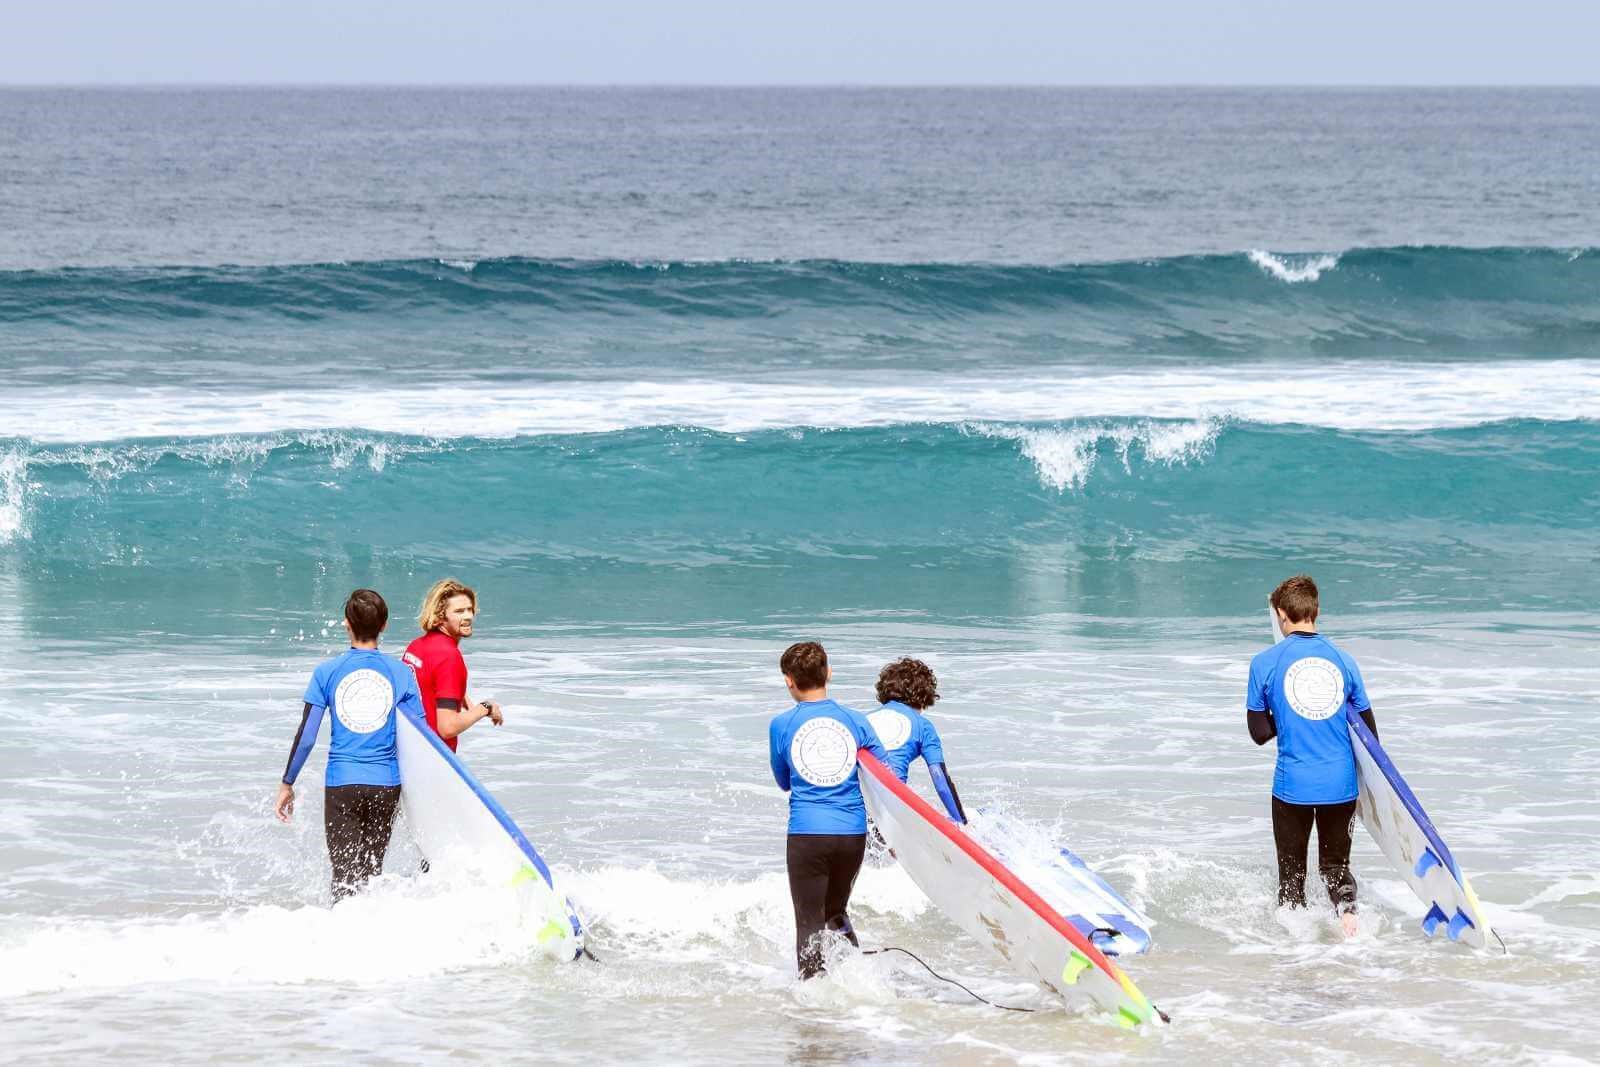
x=283, y=807
x=1348, y=921
x=492, y=710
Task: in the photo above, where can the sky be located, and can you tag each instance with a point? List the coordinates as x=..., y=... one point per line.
x=806, y=42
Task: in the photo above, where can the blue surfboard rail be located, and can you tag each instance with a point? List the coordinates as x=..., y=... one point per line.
x=489, y=801
x=1413, y=806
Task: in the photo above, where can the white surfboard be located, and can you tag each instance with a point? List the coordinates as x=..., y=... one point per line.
x=1394, y=817
x=991, y=903
x=1066, y=882
x=462, y=830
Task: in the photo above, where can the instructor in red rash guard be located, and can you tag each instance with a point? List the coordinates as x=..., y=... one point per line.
x=445, y=618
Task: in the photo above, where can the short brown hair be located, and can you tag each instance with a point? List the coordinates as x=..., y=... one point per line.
x=1297, y=598
x=909, y=681
x=806, y=665
x=366, y=613
x=431, y=616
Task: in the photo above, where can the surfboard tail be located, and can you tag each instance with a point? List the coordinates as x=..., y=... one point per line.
x=1396, y=820
x=983, y=896
x=461, y=827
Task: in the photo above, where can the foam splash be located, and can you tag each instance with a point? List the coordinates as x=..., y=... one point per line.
x=1293, y=270
x=106, y=463
x=13, y=487
x=1065, y=457
x=447, y=927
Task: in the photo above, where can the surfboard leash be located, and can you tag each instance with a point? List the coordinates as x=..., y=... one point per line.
x=942, y=978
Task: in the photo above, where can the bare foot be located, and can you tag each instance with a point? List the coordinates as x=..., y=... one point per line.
x=1348, y=921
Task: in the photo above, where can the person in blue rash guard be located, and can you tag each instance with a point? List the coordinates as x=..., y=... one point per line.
x=1298, y=692
x=812, y=747
x=365, y=690
x=906, y=688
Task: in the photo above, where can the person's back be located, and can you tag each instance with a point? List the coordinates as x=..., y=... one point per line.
x=906, y=688
x=1306, y=682
x=365, y=690
x=1298, y=692
x=812, y=748
x=361, y=686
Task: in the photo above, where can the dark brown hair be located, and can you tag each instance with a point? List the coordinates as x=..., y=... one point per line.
x=366, y=613
x=1297, y=598
x=910, y=681
x=806, y=664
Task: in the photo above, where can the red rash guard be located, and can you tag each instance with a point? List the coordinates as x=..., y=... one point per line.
x=441, y=674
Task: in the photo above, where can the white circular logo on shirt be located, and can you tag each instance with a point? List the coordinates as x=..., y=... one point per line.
x=1314, y=687
x=823, y=751
x=363, y=699
x=892, y=727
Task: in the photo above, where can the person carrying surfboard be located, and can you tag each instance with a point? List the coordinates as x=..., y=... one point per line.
x=812, y=747
x=1298, y=691
x=364, y=689
x=446, y=618
x=906, y=688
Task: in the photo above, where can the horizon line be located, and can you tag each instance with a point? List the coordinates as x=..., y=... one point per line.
x=931, y=85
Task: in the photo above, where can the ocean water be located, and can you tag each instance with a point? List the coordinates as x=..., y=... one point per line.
x=1047, y=387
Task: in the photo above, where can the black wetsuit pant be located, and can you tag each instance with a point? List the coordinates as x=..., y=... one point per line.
x=357, y=820
x=1291, y=830
x=822, y=870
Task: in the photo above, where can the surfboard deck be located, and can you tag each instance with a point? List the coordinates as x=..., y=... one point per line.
x=1395, y=819
x=461, y=829
x=991, y=903
x=1068, y=884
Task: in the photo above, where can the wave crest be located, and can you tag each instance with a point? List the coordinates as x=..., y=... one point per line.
x=1292, y=269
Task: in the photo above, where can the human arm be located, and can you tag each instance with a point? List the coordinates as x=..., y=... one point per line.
x=305, y=739
x=453, y=712
x=780, y=763
x=946, y=788
x=454, y=720
x=1360, y=703
x=1257, y=709
x=1262, y=726
x=932, y=748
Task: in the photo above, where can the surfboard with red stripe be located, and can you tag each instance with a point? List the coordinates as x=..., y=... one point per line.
x=987, y=900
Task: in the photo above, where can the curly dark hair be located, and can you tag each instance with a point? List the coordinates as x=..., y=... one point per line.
x=910, y=681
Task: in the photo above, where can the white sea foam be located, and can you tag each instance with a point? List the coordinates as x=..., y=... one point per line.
x=13, y=489
x=1349, y=396
x=447, y=928
x=1065, y=457
x=1293, y=269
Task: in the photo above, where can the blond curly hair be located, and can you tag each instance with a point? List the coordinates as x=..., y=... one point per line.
x=431, y=617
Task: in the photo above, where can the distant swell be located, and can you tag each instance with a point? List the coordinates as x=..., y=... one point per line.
x=1455, y=302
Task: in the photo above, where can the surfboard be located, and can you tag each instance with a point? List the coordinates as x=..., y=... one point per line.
x=463, y=830
x=1395, y=819
x=991, y=903
x=1066, y=882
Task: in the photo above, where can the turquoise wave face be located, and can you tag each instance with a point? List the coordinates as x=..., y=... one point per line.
x=1112, y=518
x=424, y=319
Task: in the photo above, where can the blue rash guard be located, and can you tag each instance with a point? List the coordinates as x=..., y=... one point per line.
x=1305, y=684
x=813, y=752
x=906, y=733
x=364, y=688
